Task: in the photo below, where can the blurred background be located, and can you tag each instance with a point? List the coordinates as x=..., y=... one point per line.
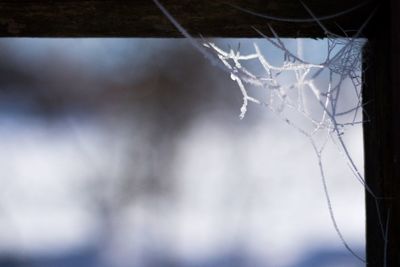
x=131, y=153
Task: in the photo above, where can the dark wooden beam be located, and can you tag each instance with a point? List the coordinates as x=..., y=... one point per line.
x=141, y=18
x=381, y=96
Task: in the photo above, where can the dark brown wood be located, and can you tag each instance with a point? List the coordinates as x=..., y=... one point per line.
x=381, y=96
x=141, y=18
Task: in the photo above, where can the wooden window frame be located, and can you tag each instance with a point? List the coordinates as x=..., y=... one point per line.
x=381, y=90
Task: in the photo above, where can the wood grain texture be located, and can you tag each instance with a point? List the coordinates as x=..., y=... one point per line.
x=141, y=18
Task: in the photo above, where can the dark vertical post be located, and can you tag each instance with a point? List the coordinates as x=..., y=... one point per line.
x=381, y=96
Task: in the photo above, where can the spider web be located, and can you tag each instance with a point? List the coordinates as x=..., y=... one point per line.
x=328, y=82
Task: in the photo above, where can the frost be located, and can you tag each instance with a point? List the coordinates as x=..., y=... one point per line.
x=287, y=99
x=327, y=83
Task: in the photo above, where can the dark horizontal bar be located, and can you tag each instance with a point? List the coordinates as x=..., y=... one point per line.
x=142, y=18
